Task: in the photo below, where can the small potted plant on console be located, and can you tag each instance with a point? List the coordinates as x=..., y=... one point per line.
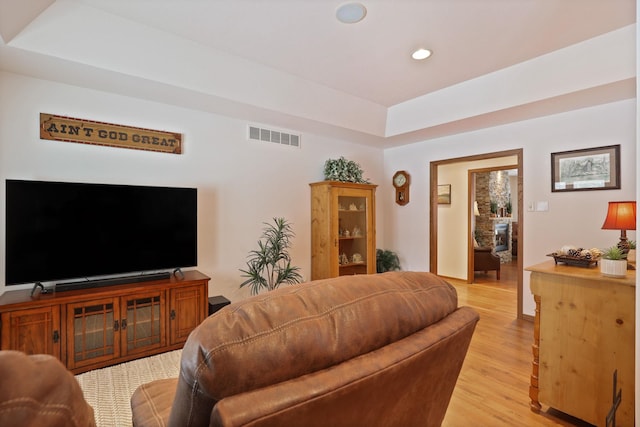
x=613, y=263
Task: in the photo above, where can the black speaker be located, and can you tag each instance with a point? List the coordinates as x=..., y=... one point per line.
x=216, y=303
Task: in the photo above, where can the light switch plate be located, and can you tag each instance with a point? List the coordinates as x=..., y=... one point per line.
x=542, y=206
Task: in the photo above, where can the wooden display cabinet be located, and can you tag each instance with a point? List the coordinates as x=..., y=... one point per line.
x=96, y=327
x=343, y=236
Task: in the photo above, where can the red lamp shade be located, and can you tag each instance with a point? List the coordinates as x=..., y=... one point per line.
x=620, y=216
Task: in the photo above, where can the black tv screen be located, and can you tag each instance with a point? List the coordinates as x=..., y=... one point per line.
x=60, y=230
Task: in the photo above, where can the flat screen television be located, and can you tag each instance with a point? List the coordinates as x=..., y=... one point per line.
x=67, y=231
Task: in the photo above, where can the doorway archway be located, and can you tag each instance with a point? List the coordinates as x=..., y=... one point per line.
x=437, y=242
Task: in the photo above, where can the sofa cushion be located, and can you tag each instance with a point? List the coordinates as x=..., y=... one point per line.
x=302, y=329
x=151, y=402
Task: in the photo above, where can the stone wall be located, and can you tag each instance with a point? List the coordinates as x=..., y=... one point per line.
x=492, y=186
x=500, y=190
x=484, y=226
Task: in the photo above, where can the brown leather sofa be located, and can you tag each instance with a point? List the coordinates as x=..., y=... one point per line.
x=38, y=390
x=485, y=260
x=365, y=350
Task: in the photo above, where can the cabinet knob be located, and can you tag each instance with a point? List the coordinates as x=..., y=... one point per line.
x=172, y=316
x=56, y=336
x=116, y=326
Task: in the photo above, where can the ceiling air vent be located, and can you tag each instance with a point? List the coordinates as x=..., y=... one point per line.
x=278, y=137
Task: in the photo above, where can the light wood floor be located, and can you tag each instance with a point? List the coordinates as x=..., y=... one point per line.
x=493, y=387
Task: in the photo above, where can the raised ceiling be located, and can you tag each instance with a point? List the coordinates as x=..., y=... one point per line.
x=174, y=51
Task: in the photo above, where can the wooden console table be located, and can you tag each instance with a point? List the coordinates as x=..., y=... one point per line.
x=584, y=330
x=96, y=327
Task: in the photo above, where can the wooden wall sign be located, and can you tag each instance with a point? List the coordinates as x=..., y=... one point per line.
x=69, y=129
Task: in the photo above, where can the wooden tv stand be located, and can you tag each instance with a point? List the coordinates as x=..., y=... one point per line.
x=93, y=328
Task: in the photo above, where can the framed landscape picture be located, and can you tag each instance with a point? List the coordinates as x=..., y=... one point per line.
x=588, y=169
x=444, y=194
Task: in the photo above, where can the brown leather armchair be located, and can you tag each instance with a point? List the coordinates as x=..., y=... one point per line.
x=485, y=260
x=37, y=390
x=375, y=350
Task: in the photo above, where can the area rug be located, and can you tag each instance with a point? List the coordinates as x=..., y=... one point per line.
x=109, y=390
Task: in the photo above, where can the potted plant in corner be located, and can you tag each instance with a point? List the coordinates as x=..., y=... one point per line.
x=270, y=265
x=613, y=263
x=386, y=261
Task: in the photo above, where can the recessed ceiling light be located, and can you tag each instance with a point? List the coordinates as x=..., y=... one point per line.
x=421, y=54
x=350, y=13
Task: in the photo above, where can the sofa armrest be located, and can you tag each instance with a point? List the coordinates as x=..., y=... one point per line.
x=37, y=390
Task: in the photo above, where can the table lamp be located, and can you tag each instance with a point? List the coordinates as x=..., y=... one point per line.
x=621, y=216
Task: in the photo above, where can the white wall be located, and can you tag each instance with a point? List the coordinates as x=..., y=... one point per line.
x=573, y=217
x=240, y=183
x=452, y=223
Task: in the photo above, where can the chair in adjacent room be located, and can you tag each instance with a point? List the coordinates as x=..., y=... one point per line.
x=485, y=260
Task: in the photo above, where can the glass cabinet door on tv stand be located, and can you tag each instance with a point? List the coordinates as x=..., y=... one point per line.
x=92, y=328
x=142, y=327
x=342, y=229
x=103, y=329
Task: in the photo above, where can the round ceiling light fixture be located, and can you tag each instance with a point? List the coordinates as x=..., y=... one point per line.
x=350, y=13
x=421, y=54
